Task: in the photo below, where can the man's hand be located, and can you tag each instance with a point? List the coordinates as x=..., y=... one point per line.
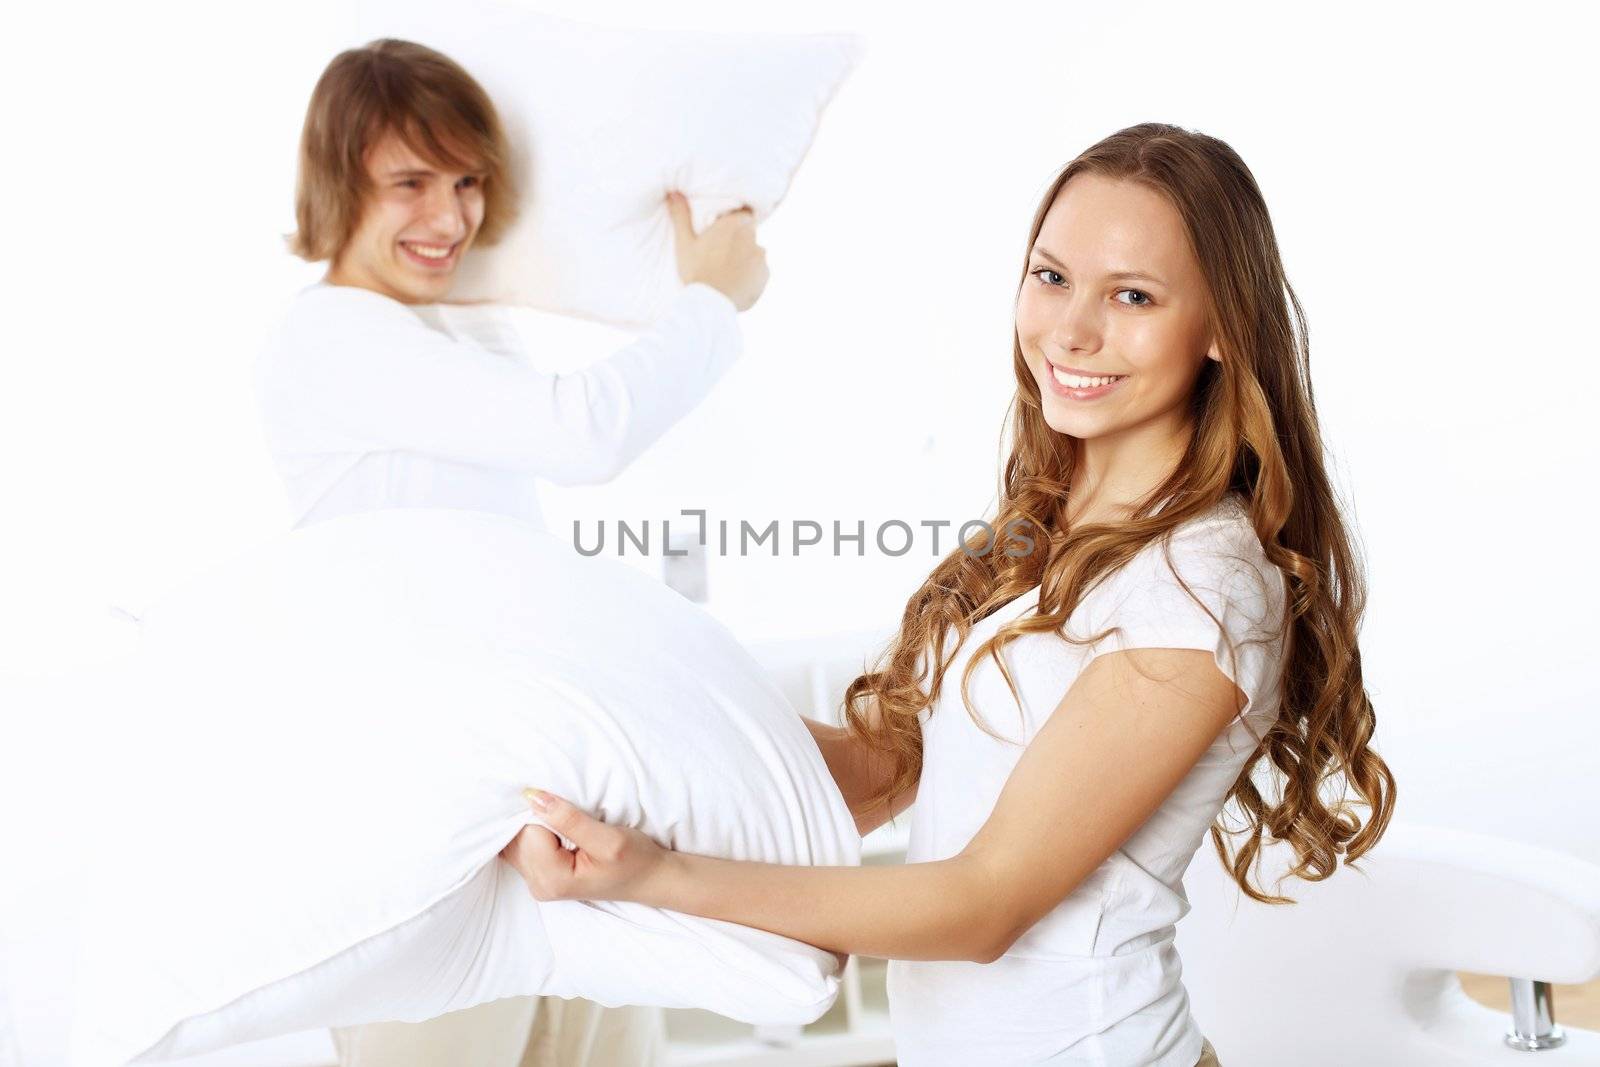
x=725, y=257
x=609, y=862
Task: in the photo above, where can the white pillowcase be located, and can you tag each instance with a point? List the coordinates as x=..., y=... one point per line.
x=603, y=122
x=326, y=744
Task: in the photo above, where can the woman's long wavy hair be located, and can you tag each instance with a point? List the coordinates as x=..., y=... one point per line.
x=1255, y=436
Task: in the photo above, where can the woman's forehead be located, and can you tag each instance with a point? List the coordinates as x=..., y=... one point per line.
x=1099, y=224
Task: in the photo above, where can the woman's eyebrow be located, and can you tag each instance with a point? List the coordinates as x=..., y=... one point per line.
x=1132, y=275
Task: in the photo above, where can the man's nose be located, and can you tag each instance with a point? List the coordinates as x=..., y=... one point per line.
x=447, y=215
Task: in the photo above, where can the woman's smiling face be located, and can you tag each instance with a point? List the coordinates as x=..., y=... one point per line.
x=1113, y=289
x=413, y=213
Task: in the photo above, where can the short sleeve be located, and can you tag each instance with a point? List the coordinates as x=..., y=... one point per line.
x=1234, y=606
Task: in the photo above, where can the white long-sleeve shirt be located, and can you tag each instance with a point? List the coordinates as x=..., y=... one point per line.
x=371, y=403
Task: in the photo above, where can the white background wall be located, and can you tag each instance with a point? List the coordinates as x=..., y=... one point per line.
x=1429, y=169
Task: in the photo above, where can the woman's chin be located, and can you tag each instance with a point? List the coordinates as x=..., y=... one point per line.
x=1071, y=423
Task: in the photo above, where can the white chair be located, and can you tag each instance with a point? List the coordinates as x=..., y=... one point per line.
x=1362, y=969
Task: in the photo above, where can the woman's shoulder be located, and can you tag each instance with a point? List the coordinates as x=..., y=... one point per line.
x=1226, y=529
x=1217, y=553
x=1221, y=530
x=1209, y=575
x=1224, y=554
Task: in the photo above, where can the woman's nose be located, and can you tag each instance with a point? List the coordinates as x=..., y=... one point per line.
x=1076, y=324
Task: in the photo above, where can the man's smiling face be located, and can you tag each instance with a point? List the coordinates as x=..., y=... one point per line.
x=417, y=222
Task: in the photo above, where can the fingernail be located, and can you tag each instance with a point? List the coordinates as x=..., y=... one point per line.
x=537, y=798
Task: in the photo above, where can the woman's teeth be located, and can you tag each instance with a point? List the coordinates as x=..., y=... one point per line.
x=1073, y=381
x=429, y=251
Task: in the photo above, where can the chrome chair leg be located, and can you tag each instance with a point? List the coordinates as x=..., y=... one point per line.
x=1533, y=1017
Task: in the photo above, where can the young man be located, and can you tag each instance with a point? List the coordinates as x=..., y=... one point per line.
x=373, y=396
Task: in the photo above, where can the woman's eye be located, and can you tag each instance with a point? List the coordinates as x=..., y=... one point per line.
x=471, y=179
x=1053, y=278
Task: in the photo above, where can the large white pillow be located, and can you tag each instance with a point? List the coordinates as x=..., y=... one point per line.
x=603, y=122
x=326, y=743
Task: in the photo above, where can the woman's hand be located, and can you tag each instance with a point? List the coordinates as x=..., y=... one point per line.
x=609, y=863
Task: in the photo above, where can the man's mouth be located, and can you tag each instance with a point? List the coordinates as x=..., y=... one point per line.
x=431, y=256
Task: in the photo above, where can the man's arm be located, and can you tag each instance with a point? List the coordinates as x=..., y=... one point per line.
x=359, y=371
x=859, y=772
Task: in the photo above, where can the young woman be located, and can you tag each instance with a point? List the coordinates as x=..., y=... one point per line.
x=1072, y=708
x=373, y=398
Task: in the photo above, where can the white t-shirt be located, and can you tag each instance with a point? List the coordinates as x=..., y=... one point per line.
x=371, y=403
x=1096, y=981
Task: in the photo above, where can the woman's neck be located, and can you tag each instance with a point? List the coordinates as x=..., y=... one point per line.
x=1113, y=476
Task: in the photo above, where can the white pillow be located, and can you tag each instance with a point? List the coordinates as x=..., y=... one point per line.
x=603, y=122
x=329, y=738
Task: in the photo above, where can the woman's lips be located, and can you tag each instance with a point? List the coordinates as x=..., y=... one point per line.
x=1067, y=391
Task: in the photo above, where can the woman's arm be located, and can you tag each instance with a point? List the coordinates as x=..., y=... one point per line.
x=1129, y=729
x=859, y=772
x=917, y=911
